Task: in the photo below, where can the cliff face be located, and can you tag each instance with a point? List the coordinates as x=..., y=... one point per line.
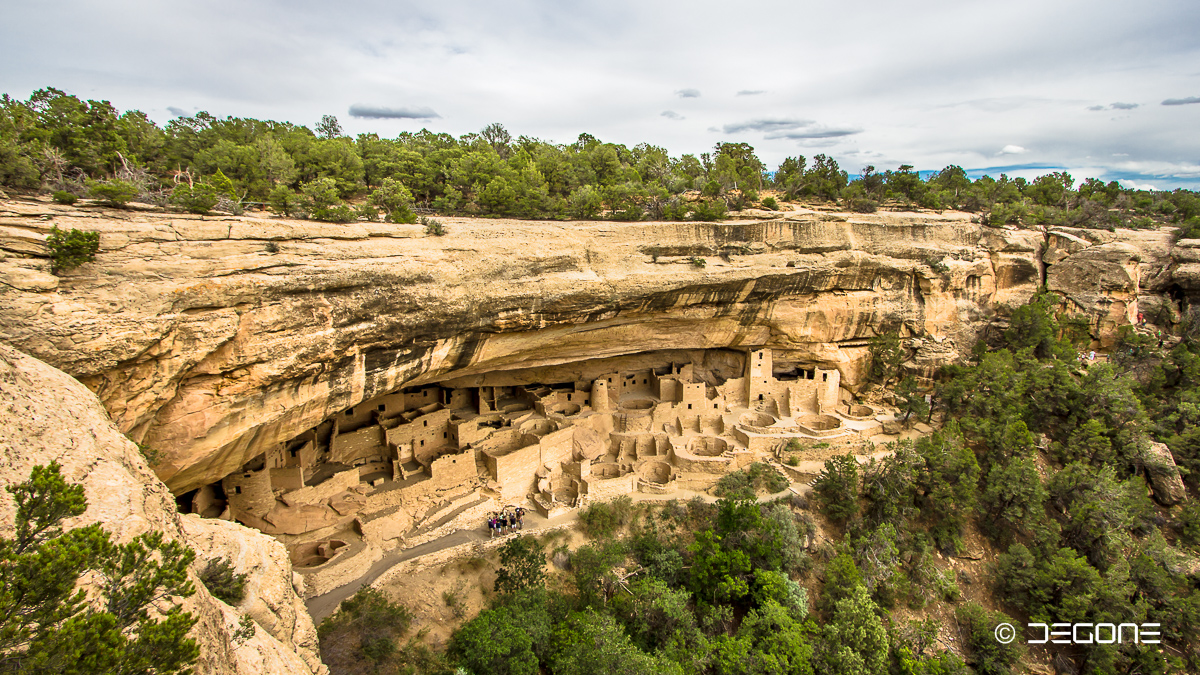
x=213, y=339
x=50, y=416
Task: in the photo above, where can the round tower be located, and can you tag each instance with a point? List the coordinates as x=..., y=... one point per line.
x=600, y=402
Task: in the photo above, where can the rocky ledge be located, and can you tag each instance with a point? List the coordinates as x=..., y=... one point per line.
x=214, y=339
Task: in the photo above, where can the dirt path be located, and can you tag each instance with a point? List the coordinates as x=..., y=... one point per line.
x=322, y=606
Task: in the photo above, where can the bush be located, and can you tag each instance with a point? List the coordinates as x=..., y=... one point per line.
x=223, y=582
x=697, y=261
x=756, y=478
x=199, y=198
x=395, y=200
x=433, y=227
x=71, y=249
x=115, y=192
x=988, y=655
x=709, y=210
x=524, y=565
x=770, y=204
x=63, y=197
x=364, y=628
x=837, y=488
x=284, y=201
x=861, y=205
x=340, y=213
x=601, y=519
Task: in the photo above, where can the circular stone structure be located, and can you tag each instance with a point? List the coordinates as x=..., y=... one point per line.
x=637, y=404
x=657, y=472
x=861, y=412
x=757, y=419
x=708, y=446
x=820, y=422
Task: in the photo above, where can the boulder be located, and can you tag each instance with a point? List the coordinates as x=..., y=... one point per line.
x=1163, y=475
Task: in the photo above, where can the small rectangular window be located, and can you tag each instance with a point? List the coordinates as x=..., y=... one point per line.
x=824, y=377
x=237, y=490
x=425, y=423
x=350, y=412
x=422, y=444
x=689, y=406
x=382, y=407
x=443, y=434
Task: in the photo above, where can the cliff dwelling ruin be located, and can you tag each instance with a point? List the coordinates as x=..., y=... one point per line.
x=371, y=475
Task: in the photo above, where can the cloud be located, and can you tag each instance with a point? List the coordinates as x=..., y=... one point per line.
x=751, y=92
x=1182, y=101
x=401, y=113
x=812, y=133
x=672, y=115
x=178, y=112
x=767, y=125
x=1012, y=150
x=687, y=93
x=1114, y=106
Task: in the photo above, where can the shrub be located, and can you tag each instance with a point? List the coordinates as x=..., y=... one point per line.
x=709, y=210
x=697, y=261
x=862, y=205
x=340, y=213
x=115, y=192
x=433, y=227
x=601, y=519
x=837, y=487
x=989, y=656
x=284, y=201
x=364, y=628
x=63, y=197
x=758, y=477
x=71, y=249
x=523, y=563
x=770, y=204
x=223, y=581
x=199, y=198
x=395, y=200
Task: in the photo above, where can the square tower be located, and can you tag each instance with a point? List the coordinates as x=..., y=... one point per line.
x=759, y=376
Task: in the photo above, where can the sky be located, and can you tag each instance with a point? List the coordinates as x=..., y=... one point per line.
x=1101, y=89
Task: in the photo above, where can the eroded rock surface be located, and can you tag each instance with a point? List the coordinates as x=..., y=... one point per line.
x=214, y=340
x=48, y=416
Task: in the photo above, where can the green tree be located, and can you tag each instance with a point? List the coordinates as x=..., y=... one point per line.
x=494, y=643
x=395, y=200
x=114, y=192
x=221, y=579
x=366, y=627
x=50, y=625
x=522, y=565
x=887, y=354
x=911, y=400
x=855, y=641
x=71, y=249
x=198, y=198
x=836, y=487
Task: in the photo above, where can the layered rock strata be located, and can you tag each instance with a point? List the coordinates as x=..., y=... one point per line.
x=51, y=417
x=214, y=340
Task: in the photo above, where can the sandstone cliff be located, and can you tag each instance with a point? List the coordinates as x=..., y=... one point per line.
x=213, y=339
x=50, y=416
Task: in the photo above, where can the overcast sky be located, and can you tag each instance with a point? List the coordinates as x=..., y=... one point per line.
x=1100, y=88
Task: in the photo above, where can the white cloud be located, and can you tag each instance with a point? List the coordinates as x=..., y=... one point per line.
x=688, y=93
x=672, y=115
x=1012, y=150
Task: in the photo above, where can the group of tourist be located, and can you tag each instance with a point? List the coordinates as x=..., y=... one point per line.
x=506, y=521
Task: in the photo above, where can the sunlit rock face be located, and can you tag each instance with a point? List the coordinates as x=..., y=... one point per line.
x=51, y=417
x=213, y=340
